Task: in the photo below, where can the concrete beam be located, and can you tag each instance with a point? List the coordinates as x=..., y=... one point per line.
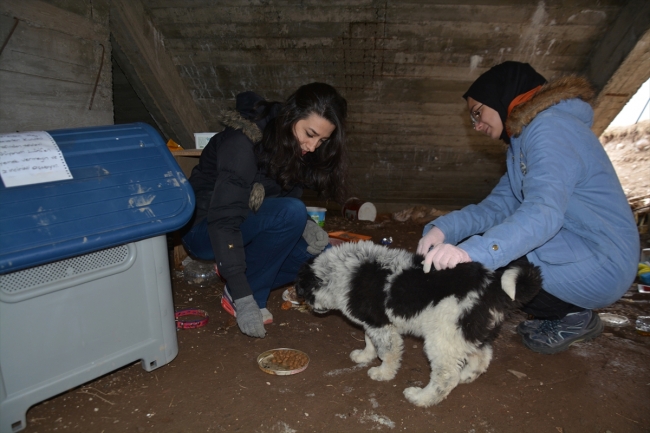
x=620, y=64
x=139, y=50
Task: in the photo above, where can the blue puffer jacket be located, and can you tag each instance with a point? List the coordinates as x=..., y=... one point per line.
x=560, y=204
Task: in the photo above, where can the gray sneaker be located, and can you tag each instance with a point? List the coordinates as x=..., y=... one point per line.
x=528, y=326
x=554, y=336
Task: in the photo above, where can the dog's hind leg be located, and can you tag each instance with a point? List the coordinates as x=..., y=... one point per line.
x=445, y=376
x=477, y=364
x=367, y=354
x=389, y=345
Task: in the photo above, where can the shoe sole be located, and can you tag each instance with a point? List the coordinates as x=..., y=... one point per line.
x=524, y=333
x=227, y=306
x=520, y=332
x=230, y=309
x=598, y=329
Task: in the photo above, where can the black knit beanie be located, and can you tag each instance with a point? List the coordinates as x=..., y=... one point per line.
x=497, y=87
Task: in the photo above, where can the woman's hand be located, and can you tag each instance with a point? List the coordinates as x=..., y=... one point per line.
x=433, y=238
x=316, y=238
x=445, y=256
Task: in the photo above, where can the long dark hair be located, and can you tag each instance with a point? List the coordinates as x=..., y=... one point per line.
x=279, y=153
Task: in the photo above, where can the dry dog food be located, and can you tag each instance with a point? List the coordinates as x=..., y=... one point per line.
x=291, y=295
x=283, y=361
x=289, y=359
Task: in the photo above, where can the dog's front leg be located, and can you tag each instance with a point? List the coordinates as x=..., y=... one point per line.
x=477, y=364
x=367, y=354
x=389, y=346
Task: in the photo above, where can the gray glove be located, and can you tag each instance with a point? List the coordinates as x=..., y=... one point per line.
x=257, y=197
x=249, y=317
x=316, y=238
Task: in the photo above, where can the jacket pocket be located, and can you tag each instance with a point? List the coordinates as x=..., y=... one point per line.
x=565, y=247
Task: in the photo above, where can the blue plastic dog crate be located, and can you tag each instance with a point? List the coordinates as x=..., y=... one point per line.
x=85, y=286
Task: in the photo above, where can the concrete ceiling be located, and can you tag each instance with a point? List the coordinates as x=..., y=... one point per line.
x=402, y=65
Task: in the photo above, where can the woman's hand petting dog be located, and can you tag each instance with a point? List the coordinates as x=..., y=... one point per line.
x=444, y=256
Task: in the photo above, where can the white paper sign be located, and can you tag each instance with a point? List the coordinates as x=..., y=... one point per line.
x=33, y=157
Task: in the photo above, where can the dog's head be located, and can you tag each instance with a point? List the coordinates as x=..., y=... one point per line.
x=308, y=285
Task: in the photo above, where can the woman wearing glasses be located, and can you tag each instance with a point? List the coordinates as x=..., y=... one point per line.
x=560, y=205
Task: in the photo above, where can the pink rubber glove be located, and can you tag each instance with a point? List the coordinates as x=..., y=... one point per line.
x=445, y=256
x=434, y=237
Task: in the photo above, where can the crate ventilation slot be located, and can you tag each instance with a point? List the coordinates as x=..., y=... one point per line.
x=64, y=269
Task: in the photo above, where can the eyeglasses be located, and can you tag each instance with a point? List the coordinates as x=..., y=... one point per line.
x=475, y=116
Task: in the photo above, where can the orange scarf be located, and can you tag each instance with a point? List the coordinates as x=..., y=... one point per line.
x=520, y=100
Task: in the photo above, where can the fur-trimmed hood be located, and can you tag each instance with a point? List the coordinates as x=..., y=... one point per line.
x=246, y=116
x=569, y=87
x=235, y=120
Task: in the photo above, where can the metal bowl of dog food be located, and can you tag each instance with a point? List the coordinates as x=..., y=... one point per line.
x=290, y=295
x=283, y=361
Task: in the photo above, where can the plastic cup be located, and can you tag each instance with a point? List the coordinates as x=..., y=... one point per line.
x=643, y=325
x=317, y=214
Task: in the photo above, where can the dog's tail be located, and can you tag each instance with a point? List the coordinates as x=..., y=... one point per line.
x=521, y=281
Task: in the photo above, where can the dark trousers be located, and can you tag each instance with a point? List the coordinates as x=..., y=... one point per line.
x=545, y=306
x=548, y=307
x=273, y=242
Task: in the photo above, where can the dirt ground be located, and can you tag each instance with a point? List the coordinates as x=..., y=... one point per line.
x=215, y=384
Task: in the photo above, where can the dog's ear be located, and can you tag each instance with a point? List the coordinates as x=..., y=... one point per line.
x=417, y=261
x=306, y=280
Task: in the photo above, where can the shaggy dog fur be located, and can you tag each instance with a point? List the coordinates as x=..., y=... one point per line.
x=458, y=312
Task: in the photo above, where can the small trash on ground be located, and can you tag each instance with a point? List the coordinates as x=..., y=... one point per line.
x=291, y=301
x=518, y=374
x=191, y=318
x=643, y=325
x=614, y=320
x=200, y=273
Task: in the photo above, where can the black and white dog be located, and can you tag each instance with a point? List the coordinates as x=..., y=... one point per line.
x=458, y=312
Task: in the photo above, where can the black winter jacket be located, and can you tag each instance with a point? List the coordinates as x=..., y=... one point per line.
x=222, y=183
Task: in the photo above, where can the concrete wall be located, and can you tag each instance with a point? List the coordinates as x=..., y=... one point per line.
x=402, y=64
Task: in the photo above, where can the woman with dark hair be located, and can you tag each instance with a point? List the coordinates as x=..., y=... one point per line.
x=249, y=217
x=560, y=205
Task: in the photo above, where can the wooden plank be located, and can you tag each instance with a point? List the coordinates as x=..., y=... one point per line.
x=54, y=65
x=42, y=14
x=35, y=103
x=41, y=52
x=143, y=58
x=620, y=63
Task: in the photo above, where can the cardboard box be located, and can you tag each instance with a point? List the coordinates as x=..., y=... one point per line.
x=201, y=139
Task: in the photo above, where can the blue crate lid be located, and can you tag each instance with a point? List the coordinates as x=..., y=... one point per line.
x=126, y=187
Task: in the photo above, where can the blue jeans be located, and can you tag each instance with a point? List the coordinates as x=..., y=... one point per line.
x=273, y=244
